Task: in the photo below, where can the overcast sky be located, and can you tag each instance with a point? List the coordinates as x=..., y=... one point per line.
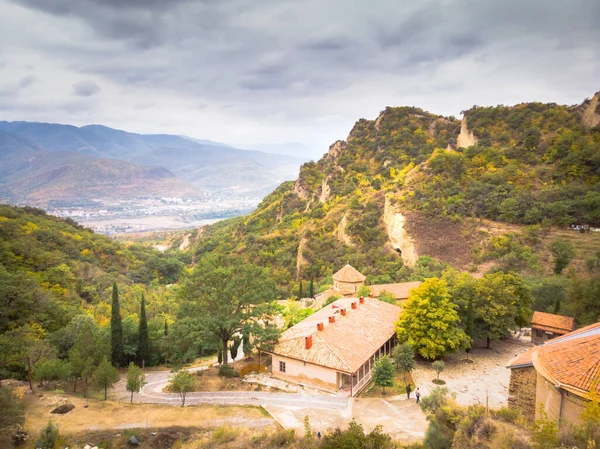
x=247, y=72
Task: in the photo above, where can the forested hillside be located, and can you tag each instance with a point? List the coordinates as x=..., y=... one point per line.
x=410, y=193
x=55, y=276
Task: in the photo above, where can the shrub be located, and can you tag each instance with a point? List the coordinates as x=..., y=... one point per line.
x=332, y=298
x=252, y=368
x=438, y=366
x=48, y=437
x=228, y=371
x=506, y=414
x=223, y=435
x=282, y=438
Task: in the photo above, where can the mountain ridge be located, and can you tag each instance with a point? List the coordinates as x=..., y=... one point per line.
x=531, y=164
x=199, y=165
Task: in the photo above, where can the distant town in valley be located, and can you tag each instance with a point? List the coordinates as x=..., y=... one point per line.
x=133, y=215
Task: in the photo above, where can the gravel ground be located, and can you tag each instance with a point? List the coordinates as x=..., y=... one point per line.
x=484, y=380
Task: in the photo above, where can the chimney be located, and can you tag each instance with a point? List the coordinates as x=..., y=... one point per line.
x=362, y=299
x=371, y=295
x=343, y=311
x=319, y=326
x=353, y=305
x=308, y=341
x=332, y=319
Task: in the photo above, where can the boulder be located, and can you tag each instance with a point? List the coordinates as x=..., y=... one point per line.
x=134, y=441
x=63, y=408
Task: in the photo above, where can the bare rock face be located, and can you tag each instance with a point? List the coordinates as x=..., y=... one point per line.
x=400, y=240
x=341, y=234
x=325, y=190
x=300, y=260
x=465, y=139
x=336, y=149
x=300, y=190
x=591, y=113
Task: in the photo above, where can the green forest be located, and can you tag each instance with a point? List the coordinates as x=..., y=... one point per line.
x=535, y=167
x=72, y=300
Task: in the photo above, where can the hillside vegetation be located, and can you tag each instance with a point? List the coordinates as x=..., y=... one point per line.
x=405, y=182
x=54, y=271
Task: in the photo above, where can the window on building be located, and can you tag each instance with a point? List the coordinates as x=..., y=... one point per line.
x=282, y=367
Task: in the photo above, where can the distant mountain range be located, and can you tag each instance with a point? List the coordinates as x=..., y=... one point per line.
x=42, y=161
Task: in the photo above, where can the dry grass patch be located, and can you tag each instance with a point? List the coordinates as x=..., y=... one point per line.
x=100, y=415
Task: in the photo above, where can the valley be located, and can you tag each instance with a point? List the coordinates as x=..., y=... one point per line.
x=133, y=215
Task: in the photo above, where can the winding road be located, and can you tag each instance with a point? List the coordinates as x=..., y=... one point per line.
x=152, y=393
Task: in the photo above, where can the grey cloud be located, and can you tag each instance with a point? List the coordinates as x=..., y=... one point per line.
x=26, y=81
x=292, y=58
x=85, y=89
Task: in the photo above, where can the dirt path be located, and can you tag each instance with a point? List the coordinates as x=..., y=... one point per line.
x=152, y=393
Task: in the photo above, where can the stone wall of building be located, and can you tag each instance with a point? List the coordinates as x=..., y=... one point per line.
x=557, y=403
x=521, y=391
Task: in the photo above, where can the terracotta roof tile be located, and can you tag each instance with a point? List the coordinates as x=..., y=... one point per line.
x=399, y=290
x=349, y=274
x=552, y=323
x=522, y=360
x=347, y=343
x=571, y=361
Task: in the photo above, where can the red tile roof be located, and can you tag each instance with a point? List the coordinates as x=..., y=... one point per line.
x=346, y=344
x=571, y=361
x=400, y=290
x=552, y=323
x=349, y=274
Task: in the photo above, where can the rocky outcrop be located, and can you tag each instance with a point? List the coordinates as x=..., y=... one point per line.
x=325, y=190
x=591, y=112
x=300, y=260
x=399, y=239
x=300, y=190
x=335, y=150
x=341, y=232
x=465, y=139
x=378, y=121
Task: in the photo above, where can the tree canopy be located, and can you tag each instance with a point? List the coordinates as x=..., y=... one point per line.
x=429, y=321
x=227, y=296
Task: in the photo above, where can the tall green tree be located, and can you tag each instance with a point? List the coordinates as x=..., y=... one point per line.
x=429, y=321
x=166, y=331
x=404, y=356
x=12, y=412
x=311, y=286
x=384, y=372
x=503, y=303
x=300, y=293
x=563, y=252
x=105, y=375
x=135, y=379
x=227, y=295
x=116, y=329
x=143, y=341
x=470, y=325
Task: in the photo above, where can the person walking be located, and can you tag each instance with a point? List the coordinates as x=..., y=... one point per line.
x=408, y=390
x=418, y=395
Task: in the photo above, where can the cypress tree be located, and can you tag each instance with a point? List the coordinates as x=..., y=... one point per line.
x=116, y=329
x=311, y=287
x=143, y=346
x=300, y=294
x=470, y=324
x=166, y=328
